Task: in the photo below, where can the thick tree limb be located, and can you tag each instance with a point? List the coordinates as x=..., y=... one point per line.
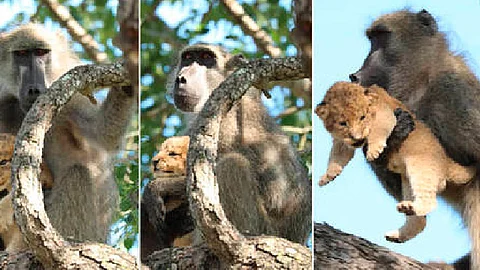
x=221, y=236
x=48, y=246
x=75, y=30
x=338, y=250
x=302, y=33
x=127, y=16
x=263, y=40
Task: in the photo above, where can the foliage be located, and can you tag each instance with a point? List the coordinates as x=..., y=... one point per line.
x=98, y=18
x=173, y=24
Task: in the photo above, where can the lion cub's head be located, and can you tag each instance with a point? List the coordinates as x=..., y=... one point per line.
x=347, y=112
x=172, y=157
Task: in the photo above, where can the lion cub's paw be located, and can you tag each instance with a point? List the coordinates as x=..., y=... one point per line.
x=406, y=207
x=326, y=179
x=410, y=208
x=374, y=150
x=394, y=236
x=332, y=172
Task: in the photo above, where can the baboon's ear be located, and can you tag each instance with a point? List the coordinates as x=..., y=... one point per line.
x=372, y=92
x=427, y=22
x=367, y=91
x=322, y=110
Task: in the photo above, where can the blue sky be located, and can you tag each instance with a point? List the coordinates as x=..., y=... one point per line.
x=355, y=202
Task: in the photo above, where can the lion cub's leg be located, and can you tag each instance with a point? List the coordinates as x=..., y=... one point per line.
x=340, y=155
x=425, y=178
x=380, y=130
x=413, y=224
x=412, y=227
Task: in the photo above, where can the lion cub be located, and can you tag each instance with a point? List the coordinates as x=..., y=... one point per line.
x=9, y=231
x=358, y=116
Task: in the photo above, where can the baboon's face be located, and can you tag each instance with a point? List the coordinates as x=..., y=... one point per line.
x=30, y=66
x=376, y=67
x=198, y=75
x=397, y=41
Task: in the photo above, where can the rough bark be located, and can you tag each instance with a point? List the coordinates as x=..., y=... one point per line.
x=127, y=40
x=334, y=249
x=51, y=250
x=302, y=33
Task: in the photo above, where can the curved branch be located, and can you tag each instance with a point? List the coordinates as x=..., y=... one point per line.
x=78, y=33
x=49, y=247
x=221, y=236
x=251, y=28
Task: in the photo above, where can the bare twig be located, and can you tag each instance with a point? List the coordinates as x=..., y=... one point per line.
x=77, y=32
x=297, y=130
x=251, y=28
x=290, y=111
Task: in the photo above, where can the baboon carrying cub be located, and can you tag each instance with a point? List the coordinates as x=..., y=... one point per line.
x=81, y=144
x=410, y=58
x=365, y=117
x=263, y=187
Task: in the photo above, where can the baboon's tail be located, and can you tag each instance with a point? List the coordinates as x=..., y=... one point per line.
x=471, y=216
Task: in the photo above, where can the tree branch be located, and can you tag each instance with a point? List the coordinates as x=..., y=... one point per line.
x=75, y=30
x=302, y=33
x=221, y=236
x=338, y=250
x=49, y=247
x=251, y=28
x=127, y=40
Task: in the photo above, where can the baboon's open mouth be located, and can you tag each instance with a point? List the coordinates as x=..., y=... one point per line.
x=358, y=143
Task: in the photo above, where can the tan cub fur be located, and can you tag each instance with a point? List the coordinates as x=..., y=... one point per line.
x=357, y=116
x=171, y=161
x=172, y=157
x=9, y=231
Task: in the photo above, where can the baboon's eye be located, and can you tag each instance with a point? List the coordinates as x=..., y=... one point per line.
x=40, y=52
x=187, y=55
x=172, y=154
x=343, y=124
x=21, y=52
x=3, y=162
x=362, y=117
x=207, y=55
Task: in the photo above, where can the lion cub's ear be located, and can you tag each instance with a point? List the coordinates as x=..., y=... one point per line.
x=372, y=92
x=322, y=110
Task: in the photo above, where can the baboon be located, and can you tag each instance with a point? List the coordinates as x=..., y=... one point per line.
x=263, y=186
x=80, y=146
x=410, y=58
